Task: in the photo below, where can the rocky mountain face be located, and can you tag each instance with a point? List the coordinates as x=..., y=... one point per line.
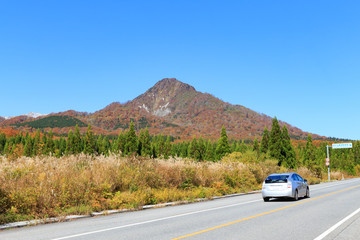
x=166, y=97
x=172, y=107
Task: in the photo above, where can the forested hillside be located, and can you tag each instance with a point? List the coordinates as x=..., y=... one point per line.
x=53, y=122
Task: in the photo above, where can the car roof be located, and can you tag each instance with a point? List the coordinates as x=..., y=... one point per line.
x=281, y=174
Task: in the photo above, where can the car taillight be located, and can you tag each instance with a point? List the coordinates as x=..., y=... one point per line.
x=289, y=185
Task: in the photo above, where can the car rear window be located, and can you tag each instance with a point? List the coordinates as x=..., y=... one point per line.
x=277, y=179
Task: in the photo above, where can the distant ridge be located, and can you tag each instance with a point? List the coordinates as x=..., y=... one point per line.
x=30, y=114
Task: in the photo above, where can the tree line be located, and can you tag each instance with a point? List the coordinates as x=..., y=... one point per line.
x=275, y=144
x=126, y=143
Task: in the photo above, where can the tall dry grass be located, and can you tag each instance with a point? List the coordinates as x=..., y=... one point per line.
x=46, y=186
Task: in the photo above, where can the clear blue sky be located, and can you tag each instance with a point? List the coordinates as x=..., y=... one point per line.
x=296, y=60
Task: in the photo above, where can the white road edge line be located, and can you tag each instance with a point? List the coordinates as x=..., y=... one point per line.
x=334, y=185
x=327, y=232
x=154, y=220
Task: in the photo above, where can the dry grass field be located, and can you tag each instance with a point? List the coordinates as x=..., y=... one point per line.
x=41, y=187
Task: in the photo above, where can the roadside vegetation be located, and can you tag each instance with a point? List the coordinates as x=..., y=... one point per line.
x=42, y=176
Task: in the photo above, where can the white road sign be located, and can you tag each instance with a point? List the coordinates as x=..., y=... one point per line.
x=341, y=145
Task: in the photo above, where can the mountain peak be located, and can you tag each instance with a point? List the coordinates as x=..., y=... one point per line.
x=159, y=100
x=171, y=84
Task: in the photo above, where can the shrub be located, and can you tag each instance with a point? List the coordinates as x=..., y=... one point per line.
x=248, y=156
x=357, y=170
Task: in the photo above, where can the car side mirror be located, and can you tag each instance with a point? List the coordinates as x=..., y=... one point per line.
x=305, y=180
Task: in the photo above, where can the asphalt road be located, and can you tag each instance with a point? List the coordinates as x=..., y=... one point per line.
x=332, y=212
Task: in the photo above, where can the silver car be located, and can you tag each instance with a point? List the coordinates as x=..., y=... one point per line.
x=285, y=185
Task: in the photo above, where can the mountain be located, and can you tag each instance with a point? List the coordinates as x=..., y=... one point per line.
x=172, y=107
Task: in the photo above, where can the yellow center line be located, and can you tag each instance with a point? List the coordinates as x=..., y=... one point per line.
x=262, y=214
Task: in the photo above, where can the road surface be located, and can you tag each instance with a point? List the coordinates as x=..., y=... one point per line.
x=332, y=212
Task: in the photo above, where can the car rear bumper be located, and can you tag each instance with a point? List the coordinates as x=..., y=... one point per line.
x=277, y=193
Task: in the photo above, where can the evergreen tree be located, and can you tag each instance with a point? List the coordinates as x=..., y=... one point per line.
x=201, y=149
x=289, y=157
x=146, y=143
x=140, y=142
x=18, y=138
x=167, y=148
x=50, y=147
x=275, y=142
x=12, y=147
x=70, y=144
x=131, y=140
x=28, y=149
x=23, y=138
x=320, y=156
x=160, y=145
x=62, y=147
x=99, y=148
x=154, y=154
x=78, y=146
x=184, y=147
x=113, y=146
x=106, y=146
x=56, y=144
x=223, y=146
x=89, y=142
x=193, y=149
x=256, y=147
x=309, y=153
x=175, y=150
x=44, y=141
x=120, y=144
x=209, y=151
x=264, y=145
x=2, y=142
x=37, y=145
x=6, y=150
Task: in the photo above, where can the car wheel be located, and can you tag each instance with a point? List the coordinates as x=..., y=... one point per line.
x=307, y=193
x=296, y=196
x=266, y=199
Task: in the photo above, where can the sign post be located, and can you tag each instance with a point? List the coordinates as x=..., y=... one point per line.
x=328, y=161
x=335, y=146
